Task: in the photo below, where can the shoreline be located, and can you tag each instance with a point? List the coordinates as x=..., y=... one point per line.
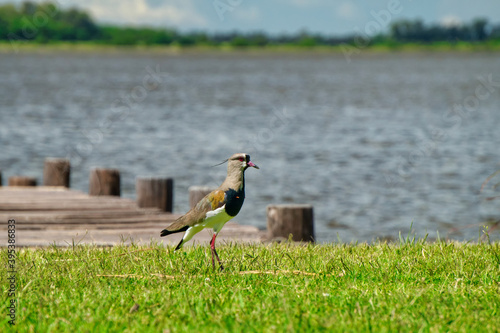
x=353, y=51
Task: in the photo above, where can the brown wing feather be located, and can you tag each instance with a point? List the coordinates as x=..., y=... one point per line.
x=211, y=201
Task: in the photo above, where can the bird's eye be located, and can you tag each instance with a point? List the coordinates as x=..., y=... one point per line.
x=241, y=159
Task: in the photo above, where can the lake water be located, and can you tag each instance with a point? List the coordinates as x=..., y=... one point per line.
x=376, y=144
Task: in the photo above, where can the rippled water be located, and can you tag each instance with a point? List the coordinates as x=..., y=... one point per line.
x=373, y=144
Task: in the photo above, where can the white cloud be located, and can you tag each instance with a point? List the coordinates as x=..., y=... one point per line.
x=451, y=21
x=139, y=12
x=347, y=10
x=247, y=14
x=307, y=3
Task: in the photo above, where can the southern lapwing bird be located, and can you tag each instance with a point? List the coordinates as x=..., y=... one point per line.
x=217, y=207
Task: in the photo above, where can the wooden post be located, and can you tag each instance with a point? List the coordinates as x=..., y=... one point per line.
x=104, y=182
x=196, y=193
x=283, y=220
x=56, y=172
x=155, y=192
x=22, y=181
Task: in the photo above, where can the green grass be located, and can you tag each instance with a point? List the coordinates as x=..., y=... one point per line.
x=411, y=286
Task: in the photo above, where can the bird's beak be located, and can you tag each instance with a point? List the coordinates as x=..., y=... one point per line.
x=251, y=164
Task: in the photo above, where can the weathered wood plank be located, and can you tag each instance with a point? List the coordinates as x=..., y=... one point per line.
x=49, y=219
x=53, y=196
x=104, y=182
x=63, y=214
x=295, y=220
x=56, y=172
x=40, y=189
x=22, y=181
x=56, y=215
x=143, y=235
x=64, y=206
x=155, y=192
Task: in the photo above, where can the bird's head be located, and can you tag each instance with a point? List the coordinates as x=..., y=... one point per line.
x=240, y=161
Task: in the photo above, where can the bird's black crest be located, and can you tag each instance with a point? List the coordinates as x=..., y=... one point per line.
x=221, y=163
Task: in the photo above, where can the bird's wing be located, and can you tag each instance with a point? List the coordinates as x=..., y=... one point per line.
x=198, y=213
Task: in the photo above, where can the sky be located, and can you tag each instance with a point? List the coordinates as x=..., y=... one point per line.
x=329, y=17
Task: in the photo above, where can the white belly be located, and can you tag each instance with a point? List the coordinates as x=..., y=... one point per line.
x=214, y=219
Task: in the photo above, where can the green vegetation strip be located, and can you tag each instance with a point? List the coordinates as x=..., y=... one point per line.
x=411, y=286
x=46, y=22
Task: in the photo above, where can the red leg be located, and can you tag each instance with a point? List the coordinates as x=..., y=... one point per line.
x=212, y=248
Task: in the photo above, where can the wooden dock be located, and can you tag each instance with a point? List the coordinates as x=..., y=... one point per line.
x=55, y=215
x=48, y=215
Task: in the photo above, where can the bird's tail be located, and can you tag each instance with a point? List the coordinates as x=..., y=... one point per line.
x=166, y=232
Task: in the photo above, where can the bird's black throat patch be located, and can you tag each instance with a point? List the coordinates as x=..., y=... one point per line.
x=234, y=201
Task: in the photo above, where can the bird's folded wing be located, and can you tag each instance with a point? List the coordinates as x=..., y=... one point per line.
x=198, y=213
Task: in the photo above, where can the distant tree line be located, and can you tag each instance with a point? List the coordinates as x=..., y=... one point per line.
x=45, y=22
x=417, y=31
